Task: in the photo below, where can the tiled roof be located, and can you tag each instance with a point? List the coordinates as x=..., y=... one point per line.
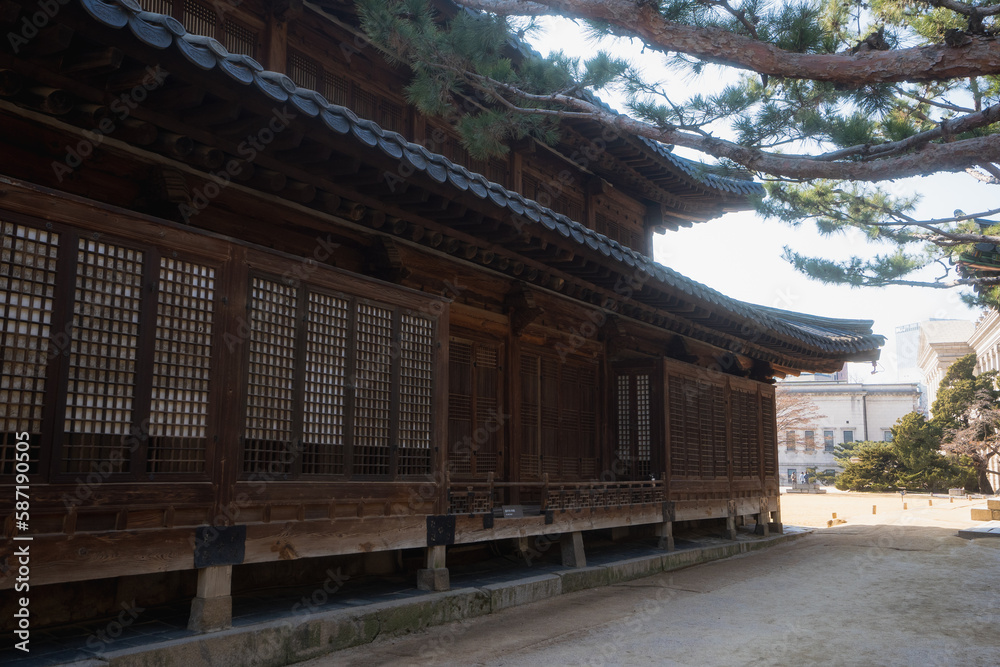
x=839, y=338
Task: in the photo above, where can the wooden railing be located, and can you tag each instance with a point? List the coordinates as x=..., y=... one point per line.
x=482, y=497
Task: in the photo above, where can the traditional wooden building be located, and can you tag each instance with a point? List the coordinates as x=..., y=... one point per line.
x=257, y=309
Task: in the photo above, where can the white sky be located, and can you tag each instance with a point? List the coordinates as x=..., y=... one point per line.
x=740, y=253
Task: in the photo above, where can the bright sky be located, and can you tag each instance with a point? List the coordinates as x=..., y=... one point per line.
x=740, y=254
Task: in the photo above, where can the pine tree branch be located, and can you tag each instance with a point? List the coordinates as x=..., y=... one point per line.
x=964, y=8
x=629, y=18
x=953, y=156
x=933, y=103
x=991, y=177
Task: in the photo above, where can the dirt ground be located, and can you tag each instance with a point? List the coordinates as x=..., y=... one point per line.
x=815, y=509
x=895, y=588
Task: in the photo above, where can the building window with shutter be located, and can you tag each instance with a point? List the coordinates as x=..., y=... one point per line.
x=559, y=426
x=790, y=440
x=475, y=412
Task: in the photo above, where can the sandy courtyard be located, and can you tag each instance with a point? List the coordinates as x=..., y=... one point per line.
x=802, y=509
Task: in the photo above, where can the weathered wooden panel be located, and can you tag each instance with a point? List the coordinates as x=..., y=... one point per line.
x=303, y=539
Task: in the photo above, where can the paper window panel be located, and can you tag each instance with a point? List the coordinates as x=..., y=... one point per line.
x=270, y=385
x=373, y=390
x=182, y=355
x=102, y=360
x=324, y=406
x=27, y=291
x=416, y=365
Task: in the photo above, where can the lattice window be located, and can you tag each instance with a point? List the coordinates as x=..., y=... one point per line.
x=268, y=445
x=27, y=293
x=165, y=7
x=373, y=390
x=770, y=443
x=634, y=450
x=303, y=70
x=239, y=38
x=642, y=427
x=102, y=360
x=416, y=366
x=365, y=102
x=324, y=411
x=337, y=89
x=497, y=170
x=390, y=116
x=199, y=18
x=623, y=396
x=178, y=415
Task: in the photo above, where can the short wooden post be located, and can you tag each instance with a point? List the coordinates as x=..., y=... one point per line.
x=572, y=549
x=929, y=502
x=904, y=506
x=212, y=607
x=834, y=515
x=435, y=576
x=763, y=518
x=873, y=509
x=665, y=531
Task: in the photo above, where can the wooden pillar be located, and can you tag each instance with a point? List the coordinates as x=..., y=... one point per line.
x=212, y=607
x=730, y=533
x=572, y=550
x=775, y=518
x=665, y=531
x=763, y=519
x=435, y=576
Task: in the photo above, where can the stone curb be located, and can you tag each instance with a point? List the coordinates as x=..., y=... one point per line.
x=298, y=638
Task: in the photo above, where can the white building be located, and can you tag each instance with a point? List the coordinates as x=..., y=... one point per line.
x=985, y=340
x=942, y=343
x=851, y=411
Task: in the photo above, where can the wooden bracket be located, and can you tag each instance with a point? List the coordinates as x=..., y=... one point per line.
x=385, y=260
x=677, y=349
x=522, y=308
x=617, y=338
